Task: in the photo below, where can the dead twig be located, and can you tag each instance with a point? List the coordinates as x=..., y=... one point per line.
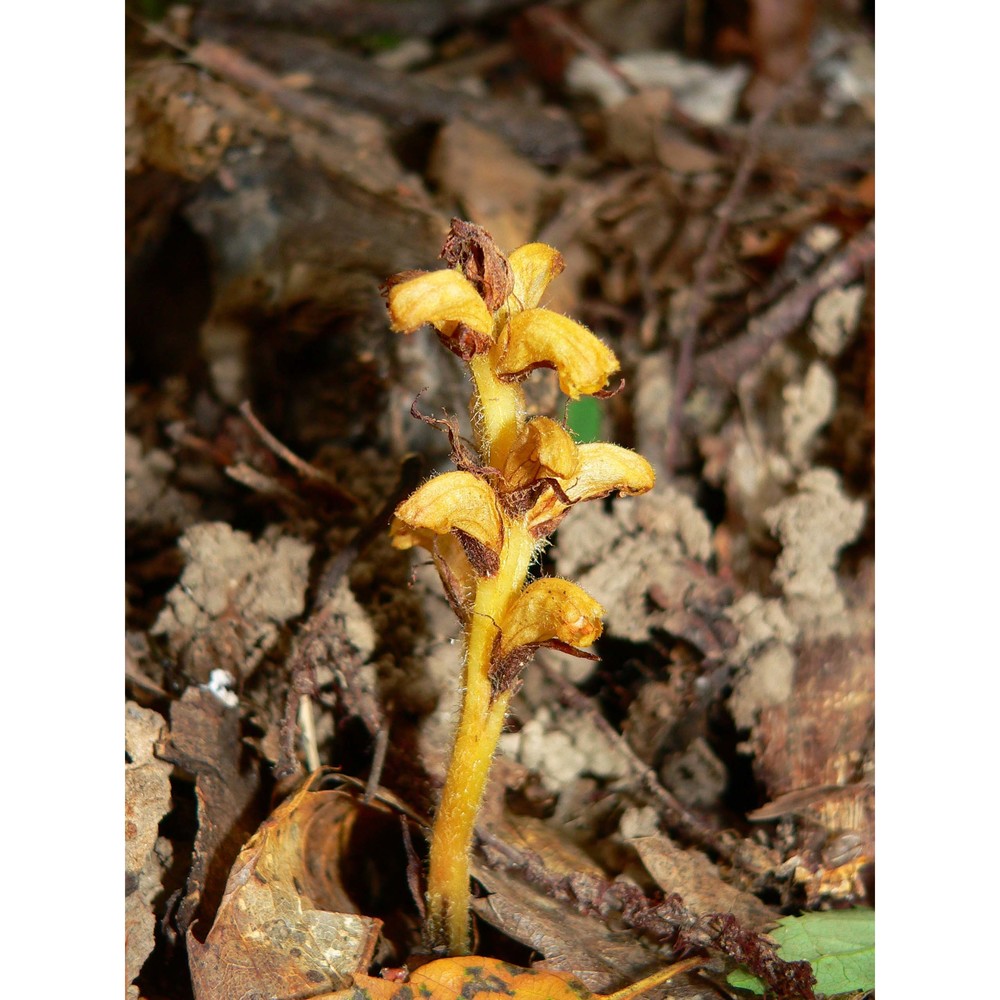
x=378, y=763
x=725, y=365
x=676, y=814
x=318, y=641
x=704, y=267
x=300, y=465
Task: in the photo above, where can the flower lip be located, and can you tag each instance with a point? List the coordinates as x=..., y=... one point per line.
x=603, y=469
x=609, y=468
x=551, y=608
x=453, y=502
x=540, y=338
x=549, y=612
x=445, y=299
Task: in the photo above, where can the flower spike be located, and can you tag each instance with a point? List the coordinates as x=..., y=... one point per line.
x=485, y=523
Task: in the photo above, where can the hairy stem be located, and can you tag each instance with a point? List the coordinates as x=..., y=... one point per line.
x=479, y=728
x=500, y=412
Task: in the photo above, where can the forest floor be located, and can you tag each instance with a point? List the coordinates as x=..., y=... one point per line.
x=707, y=172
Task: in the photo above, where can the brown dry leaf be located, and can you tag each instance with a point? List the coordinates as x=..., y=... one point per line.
x=205, y=741
x=570, y=941
x=494, y=185
x=232, y=599
x=694, y=878
x=274, y=934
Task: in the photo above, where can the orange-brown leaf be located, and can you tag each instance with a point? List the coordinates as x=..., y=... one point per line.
x=474, y=978
x=469, y=978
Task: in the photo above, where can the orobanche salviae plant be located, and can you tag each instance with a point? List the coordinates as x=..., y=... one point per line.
x=486, y=522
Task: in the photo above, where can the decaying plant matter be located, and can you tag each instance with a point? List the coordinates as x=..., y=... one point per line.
x=486, y=522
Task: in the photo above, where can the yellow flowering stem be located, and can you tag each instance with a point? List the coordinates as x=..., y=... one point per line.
x=500, y=410
x=479, y=727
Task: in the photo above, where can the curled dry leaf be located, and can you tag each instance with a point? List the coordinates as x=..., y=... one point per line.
x=273, y=935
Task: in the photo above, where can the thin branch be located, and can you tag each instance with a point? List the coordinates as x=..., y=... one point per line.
x=725, y=365
x=282, y=451
x=675, y=812
x=706, y=264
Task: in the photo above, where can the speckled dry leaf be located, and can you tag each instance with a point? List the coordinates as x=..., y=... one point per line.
x=270, y=937
x=466, y=978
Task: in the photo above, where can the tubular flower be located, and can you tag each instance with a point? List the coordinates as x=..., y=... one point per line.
x=603, y=469
x=544, y=450
x=518, y=336
x=485, y=523
x=548, y=612
x=457, y=502
x=538, y=338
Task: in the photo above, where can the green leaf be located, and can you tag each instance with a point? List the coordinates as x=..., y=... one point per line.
x=584, y=419
x=839, y=944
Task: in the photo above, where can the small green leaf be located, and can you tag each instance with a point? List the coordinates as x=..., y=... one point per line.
x=584, y=419
x=839, y=944
x=744, y=980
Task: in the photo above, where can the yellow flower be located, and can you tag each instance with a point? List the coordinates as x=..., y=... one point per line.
x=540, y=338
x=454, y=502
x=485, y=523
x=519, y=336
x=602, y=469
x=550, y=609
x=533, y=266
x=544, y=449
x=549, y=612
